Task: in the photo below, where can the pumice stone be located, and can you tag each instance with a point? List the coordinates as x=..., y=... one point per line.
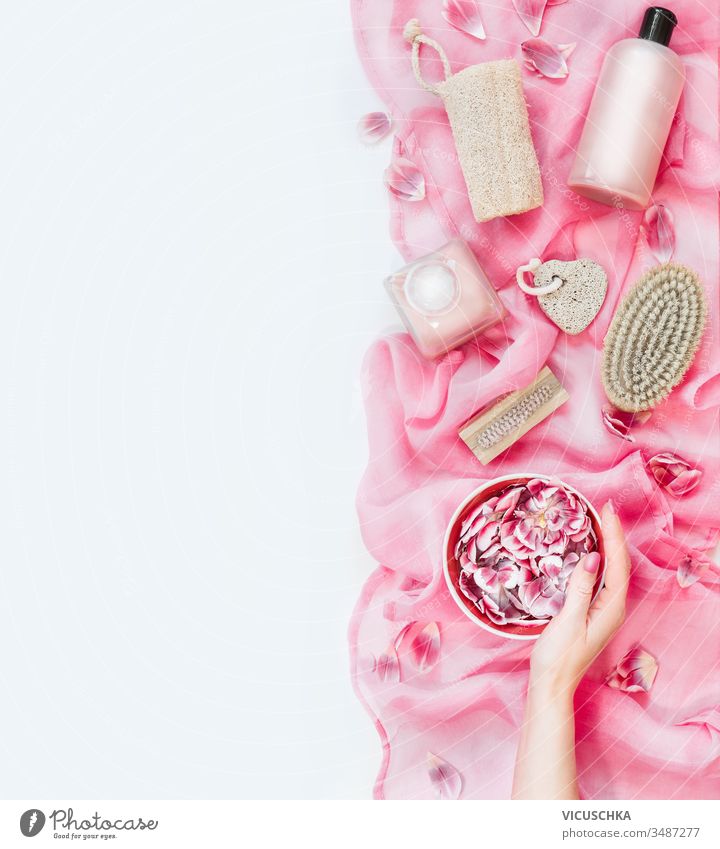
x=579, y=299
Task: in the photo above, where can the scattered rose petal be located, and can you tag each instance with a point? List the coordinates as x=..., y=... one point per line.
x=445, y=779
x=674, y=474
x=405, y=180
x=634, y=673
x=401, y=635
x=387, y=667
x=549, y=60
x=465, y=16
x=425, y=646
x=620, y=423
x=531, y=13
x=659, y=229
x=690, y=569
x=374, y=127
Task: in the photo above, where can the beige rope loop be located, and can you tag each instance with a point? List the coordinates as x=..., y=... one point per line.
x=413, y=34
x=532, y=266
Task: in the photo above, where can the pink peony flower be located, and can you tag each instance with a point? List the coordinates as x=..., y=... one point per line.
x=517, y=550
x=546, y=523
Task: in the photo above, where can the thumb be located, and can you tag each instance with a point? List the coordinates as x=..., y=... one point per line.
x=581, y=584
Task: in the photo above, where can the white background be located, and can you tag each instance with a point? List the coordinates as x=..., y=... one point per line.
x=192, y=249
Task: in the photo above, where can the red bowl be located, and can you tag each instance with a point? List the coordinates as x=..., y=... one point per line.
x=451, y=567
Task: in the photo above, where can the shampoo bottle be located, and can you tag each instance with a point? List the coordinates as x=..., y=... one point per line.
x=630, y=115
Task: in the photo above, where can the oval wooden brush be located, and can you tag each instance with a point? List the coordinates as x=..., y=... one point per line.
x=653, y=338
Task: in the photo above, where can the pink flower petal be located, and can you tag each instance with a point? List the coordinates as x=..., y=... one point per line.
x=469, y=521
x=541, y=598
x=501, y=608
x=551, y=565
x=549, y=60
x=508, y=573
x=374, y=127
x=636, y=658
x=425, y=647
x=486, y=536
x=556, y=2
x=684, y=483
x=387, y=667
x=471, y=551
x=659, y=229
x=405, y=180
x=634, y=673
x=620, y=423
x=445, y=779
x=531, y=13
x=469, y=587
x=666, y=466
x=401, y=635
x=411, y=587
x=674, y=474
x=530, y=592
x=690, y=569
x=465, y=16
x=509, y=501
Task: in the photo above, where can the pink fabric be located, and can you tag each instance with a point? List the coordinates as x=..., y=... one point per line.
x=468, y=707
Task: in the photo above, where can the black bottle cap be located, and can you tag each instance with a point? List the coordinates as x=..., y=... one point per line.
x=658, y=25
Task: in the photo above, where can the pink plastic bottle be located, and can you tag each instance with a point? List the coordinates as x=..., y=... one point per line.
x=630, y=116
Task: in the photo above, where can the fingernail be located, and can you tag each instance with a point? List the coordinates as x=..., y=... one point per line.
x=591, y=562
x=611, y=506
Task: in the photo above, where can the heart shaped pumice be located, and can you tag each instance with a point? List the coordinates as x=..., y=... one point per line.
x=578, y=300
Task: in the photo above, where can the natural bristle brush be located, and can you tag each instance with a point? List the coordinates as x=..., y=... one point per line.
x=653, y=338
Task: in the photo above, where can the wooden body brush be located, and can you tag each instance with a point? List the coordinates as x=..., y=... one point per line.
x=653, y=337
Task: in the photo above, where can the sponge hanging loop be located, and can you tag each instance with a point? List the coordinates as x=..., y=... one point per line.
x=414, y=35
x=532, y=266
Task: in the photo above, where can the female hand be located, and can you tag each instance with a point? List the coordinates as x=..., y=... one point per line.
x=573, y=639
x=545, y=766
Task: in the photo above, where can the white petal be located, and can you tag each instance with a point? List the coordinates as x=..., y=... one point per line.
x=374, y=127
x=445, y=779
x=465, y=16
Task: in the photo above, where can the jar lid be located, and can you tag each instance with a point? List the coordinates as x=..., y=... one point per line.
x=431, y=286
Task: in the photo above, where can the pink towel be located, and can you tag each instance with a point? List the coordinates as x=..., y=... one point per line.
x=467, y=706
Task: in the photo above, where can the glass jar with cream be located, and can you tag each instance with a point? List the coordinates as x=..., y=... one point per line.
x=444, y=298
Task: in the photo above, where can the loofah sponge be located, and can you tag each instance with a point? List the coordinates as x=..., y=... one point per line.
x=489, y=120
x=653, y=338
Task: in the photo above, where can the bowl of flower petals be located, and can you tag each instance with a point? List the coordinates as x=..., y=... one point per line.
x=511, y=547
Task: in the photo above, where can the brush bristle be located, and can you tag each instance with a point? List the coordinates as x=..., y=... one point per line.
x=511, y=419
x=653, y=338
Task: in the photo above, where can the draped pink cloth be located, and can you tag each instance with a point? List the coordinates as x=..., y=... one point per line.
x=467, y=708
